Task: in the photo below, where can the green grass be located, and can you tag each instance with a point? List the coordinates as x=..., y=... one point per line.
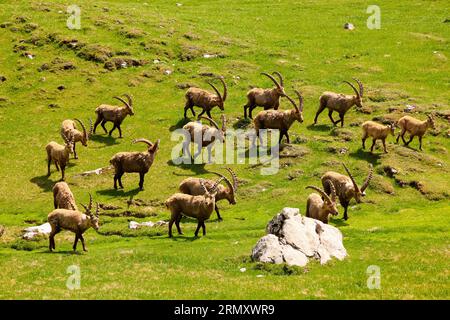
x=402, y=230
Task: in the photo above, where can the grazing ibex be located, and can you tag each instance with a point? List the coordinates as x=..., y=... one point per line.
x=346, y=187
x=139, y=162
x=340, y=103
x=267, y=98
x=414, y=127
x=281, y=120
x=197, y=207
x=116, y=115
x=68, y=128
x=320, y=207
x=377, y=132
x=203, y=135
x=193, y=187
x=59, y=154
x=72, y=220
x=196, y=97
x=63, y=197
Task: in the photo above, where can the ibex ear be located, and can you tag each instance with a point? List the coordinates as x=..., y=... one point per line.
x=155, y=146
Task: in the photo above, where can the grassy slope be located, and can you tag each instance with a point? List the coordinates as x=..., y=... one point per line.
x=406, y=234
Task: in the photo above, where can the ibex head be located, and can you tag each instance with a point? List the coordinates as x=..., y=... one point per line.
x=391, y=129
x=298, y=114
x=86, y=135
x=69, y=142
x=358, y=93
x=329, y=204
x=232, y=187
x=220, y=98
x=431, y=122
x=152, y=147
x=279, y=85
x=128, y=105
x=360, y=192
x=93, y=218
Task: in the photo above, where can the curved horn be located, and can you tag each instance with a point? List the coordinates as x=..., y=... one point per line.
x=97, y=209
x=280, y=77
x=130, y=101
x=300, y=100
x=234, y=177
x=217, y=91
x=327, y=197
x=333, y=190
x=293, y=102
x=91, y=127
x=351, y=177
x=224, y=122
x=361, y=87
x=90, y=202
x=216, y=184
x=228, y=182
x=149, y=143
x=85, y=134
x=211, y=121
x=369, y=177
x=225, y=89
x=353, y=87
x=202, y=183
x=272, y=78
x=123, y=101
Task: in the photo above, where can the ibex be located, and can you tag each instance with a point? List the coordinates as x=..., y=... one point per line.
x=116, y=115
x=68, y=128
x=72, y=220
x=340, y=103
x=267, y=98
x=320, y=207
x=196, y=97
x=281, y=120
x=377, y=132
x=197, y=207
x=203, y=135
x=139, y=162
x=63, y=197
x=59, y=154
x=346, y=187
x=193, y=187
x=414, y=127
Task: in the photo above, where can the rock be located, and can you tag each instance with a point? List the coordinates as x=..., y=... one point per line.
x=409, y=108
x=268, y=249
x=32, y=232
x=136, y=225
x=294, y=239
x=349, y=26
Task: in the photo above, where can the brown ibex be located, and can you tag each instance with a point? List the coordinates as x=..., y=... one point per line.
x=196, y=97
x=68, y=128
x=59, y=154
x=414, y=127
x=320, y=207
x=116, y=115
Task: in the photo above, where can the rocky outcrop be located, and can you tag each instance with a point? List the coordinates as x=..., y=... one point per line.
x=294, y=239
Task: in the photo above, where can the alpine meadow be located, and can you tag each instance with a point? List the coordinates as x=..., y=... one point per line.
x=140, y=69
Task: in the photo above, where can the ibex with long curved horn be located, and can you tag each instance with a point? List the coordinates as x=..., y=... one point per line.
x=139, y=162
x=203, y=135
x=193, y=187
x=320, y=207
x=116, y=115
x=340, y=103
x=68, y=127
x=72, y=220
x=278, y=119
x=346, y=187
x=196, y=97
x=198, y=207
x=267, y=98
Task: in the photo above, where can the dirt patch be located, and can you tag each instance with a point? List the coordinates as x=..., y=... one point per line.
x=337, y=150
x=143, y=203
x=118, y=63
x=96, y=53
x=293, y=151
x=145, y=213
x=342, y=134
x=132, y=33
x=294, y=174
x=381, y=185
x=56, y=65
x=191, y=36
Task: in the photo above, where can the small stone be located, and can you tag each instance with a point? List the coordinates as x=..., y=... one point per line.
x=349, y=26
x=61, y=88
x=243, y=269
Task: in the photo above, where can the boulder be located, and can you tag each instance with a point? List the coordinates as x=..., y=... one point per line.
x=294, y=239
x=32, y=232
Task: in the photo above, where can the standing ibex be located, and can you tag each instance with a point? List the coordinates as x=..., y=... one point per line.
x=193, y=187
x=203, y=135
x=414, y=127
x=196, y=97
x=59, y=154
x=281, y=120
x=377, y=131
x=72, y=220
x=340, y=103
x=68, y=128
x=116, y=115
x=346, y=187
x=320, y=207
x=134, y=162
x=197, y=207
x=267, y=98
